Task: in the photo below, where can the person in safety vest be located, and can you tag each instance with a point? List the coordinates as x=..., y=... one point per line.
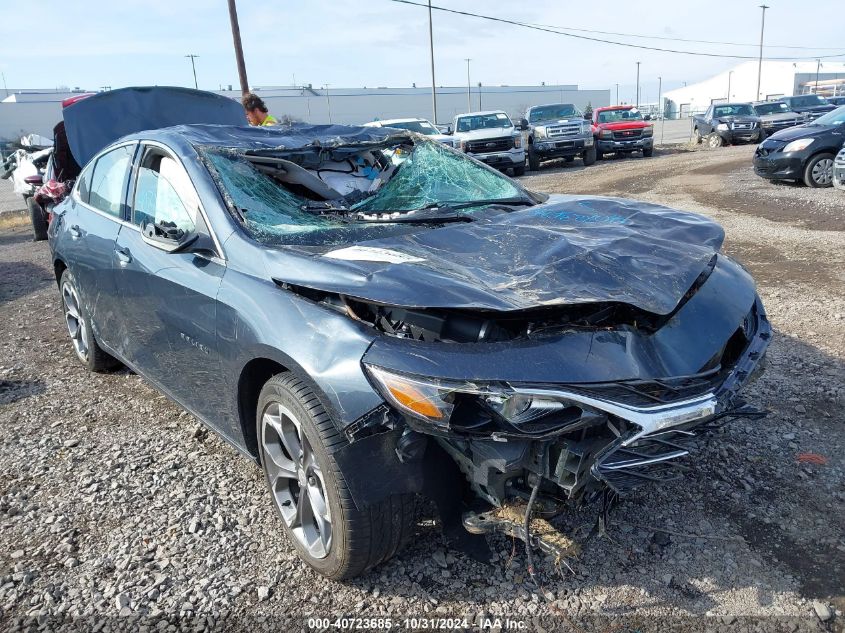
x=256, y=111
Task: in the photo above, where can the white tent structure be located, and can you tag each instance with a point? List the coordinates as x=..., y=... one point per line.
x=777, y=79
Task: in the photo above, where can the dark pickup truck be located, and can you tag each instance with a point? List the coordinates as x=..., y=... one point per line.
x=813, y=106
x=776, y=116
x=727, y=123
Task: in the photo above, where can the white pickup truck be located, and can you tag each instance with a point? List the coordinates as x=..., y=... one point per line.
x=491, y=137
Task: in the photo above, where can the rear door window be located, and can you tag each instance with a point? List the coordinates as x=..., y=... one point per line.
x=108, y=180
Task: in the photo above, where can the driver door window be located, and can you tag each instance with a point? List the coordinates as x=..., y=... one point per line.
x=164, y=195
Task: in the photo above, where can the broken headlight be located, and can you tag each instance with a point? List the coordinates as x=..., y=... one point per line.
x=434, y=400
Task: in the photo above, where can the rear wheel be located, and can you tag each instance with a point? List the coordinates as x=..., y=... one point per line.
x=296, y=441
x=38, y=217
x=78, y=323
x=533, y=159
x=819, y=171
x=589, y=156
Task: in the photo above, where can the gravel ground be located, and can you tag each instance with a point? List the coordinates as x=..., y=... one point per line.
x=9, y=200
x=115, y=504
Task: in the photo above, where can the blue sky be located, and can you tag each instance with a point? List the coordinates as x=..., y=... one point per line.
x=347, y=43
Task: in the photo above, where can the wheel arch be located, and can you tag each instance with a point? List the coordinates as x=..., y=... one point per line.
x=251, y=379
x=59, y=266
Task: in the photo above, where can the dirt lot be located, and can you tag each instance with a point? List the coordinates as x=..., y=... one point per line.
x=113, y=502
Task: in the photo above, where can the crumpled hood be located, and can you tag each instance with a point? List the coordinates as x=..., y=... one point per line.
x=570, y=250
x=799, y=131
x=738, y=118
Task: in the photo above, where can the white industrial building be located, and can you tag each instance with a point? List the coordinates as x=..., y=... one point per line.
x=26, y=111
x=777, y=79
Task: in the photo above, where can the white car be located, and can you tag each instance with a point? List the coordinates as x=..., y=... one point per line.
x=491, y=137
x=420, y=126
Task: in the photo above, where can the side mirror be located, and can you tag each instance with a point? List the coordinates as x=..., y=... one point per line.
x=36, y=179
x=523, y=124
x=166, y=236
x=647, y=117
x=449, y=130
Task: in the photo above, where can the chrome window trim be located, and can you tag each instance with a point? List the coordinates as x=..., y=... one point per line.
x=221, y=254
x=74, y=194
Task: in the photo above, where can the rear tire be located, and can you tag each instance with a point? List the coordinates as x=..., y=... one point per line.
x=297, y=439
x=533, y=159
x=78, y=322
x=819, y=171
x=38, y=217
x=589, y=156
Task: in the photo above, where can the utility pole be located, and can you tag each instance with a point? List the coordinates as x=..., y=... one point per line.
x=638, y=84
x=479, y=95
x=194, y=67
x=469, y=102
x=239, y=49
x=730, y=72
x=6, y=90
x=329, y=103
x=760, y=61
x=431, y=48
x=617, y=94
x=818, y=64
x=659, y=95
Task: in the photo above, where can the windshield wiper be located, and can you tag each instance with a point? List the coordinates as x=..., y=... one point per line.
x=457, y=204
x=412, y=217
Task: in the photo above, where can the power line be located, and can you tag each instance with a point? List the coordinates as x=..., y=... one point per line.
x=604, y=41
x=682, y=39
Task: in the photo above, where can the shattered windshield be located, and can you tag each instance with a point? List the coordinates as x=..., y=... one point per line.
x=434, y=174
x=329, y=197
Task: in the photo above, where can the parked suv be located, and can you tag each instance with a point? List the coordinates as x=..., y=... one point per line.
x=805, y=153
x=813, y=106
x=557, y=131
x=727, y=123
x=492, y=138
x=622, y=129
x=776, y=116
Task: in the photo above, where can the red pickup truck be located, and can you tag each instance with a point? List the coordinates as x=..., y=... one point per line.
x=622, y=129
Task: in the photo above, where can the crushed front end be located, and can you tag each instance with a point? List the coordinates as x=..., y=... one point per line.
x=575, y=440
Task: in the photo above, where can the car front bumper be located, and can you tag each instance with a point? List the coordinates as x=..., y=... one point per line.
x=551, y=148
x=625, y=146
x=780, y=166
x=502, y=160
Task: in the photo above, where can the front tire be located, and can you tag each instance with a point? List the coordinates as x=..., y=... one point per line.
x=819, y=171
x=589, y=156
x=519, y=170
x=78, y=322
x=533, y=159
x=38, y=217
x=714, y=141
x=296, y=440
x=697, y=136
x=648, y=153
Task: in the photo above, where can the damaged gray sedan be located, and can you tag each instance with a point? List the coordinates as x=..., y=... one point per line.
x=373, y=316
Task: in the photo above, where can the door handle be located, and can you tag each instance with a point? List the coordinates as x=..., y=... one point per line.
x=123, y=255
x=75, y=231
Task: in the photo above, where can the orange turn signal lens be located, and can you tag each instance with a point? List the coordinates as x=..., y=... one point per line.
x=412, y=398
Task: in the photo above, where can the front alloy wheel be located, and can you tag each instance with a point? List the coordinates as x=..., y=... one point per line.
x=296, y=480
x=310, y=491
